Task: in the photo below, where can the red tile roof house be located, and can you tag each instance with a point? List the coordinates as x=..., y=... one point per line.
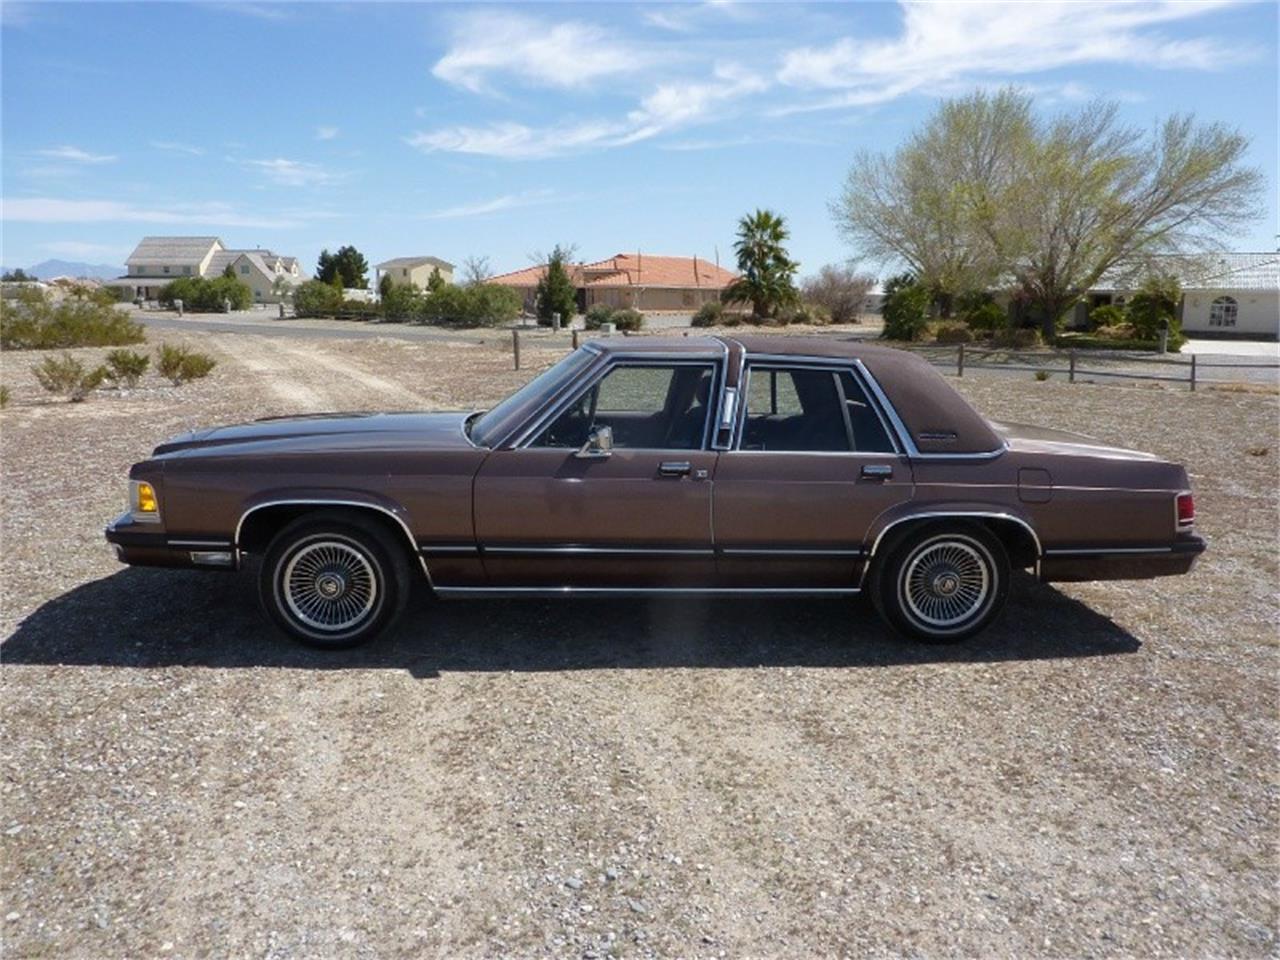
x=643, y=282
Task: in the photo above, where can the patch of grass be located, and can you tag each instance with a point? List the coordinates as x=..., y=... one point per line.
x=67, y=376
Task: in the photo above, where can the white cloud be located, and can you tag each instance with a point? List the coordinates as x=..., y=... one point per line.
x=947, y=42
x=293, y=173
x=177, y=147
x=55, y=210
x=75, y=155
x=669, y=107
x=508, y=201
x=569, y=54
x=326, y=133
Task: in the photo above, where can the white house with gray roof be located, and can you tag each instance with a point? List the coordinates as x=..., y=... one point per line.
x=157, y=261
x=415, y=270
x=1223, y=294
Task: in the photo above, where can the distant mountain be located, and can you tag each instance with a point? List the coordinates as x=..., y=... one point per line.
x=72, y=268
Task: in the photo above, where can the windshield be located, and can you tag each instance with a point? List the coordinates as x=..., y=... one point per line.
x=490, y=427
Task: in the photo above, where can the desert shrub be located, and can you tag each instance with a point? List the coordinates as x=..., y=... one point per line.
x=597, y=315
x=839, y=291
x=359, y=310
x=1042, y=375
x=950, y=332
x=985, y=317
x=207, y=295
x=1017, y=338
x=126, y=367
x=491, y=304
x=86, y=318
x=1106, y=317
x=710, y=314
x=67, y=376
x=1154, y=305
x=401, y=301
x=906, y=309
x=812, y=314
x=4, y=396
x=316, y=299
x=627, y=321
x=482, y=305
x=179, y=365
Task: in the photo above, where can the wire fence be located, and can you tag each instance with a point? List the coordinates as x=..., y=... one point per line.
x=1079, y=364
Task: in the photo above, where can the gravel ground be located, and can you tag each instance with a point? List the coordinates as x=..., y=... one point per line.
x=1096, y=776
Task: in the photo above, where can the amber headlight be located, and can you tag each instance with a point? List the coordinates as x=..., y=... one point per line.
x=144, y=506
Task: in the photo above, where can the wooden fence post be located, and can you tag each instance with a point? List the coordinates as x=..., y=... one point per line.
x=515, y=347
x=575, y=339
x=1071, y=372
x=960, y=362
x=1193, y=373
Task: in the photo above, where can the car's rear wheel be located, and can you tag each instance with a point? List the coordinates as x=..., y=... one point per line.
x=942, y=583
x=333, y=580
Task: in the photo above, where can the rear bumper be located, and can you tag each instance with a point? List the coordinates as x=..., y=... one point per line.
x=142, y=545
x=1121, y=563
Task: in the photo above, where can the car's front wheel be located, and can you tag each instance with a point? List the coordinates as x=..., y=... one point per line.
x=942, y=584
x=333, y=580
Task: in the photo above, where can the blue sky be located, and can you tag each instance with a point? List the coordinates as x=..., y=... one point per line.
x=500, y=130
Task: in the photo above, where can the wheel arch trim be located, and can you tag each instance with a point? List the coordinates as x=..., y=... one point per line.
x=320, y=501
x=954, y=514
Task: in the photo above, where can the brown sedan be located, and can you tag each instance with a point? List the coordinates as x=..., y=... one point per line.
x=690, y=466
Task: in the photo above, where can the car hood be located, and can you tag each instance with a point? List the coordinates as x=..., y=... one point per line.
x=327, y=431
x=1022, y=436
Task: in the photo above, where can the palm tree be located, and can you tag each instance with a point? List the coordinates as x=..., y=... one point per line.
x=766, y=271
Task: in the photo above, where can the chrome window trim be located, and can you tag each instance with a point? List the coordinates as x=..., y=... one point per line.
x=303, y=501
x=540, y=421
x=834, y=364
x=905, y=435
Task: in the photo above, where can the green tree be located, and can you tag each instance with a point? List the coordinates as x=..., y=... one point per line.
x=905, y=308
x=385, y=286
x=435, y=282
x=555, y=291
x=988, y=188
x=348, y=266
x=17, y=276
x=1155, y=304
x=315, y=298
x=767, y=273
x=229, y=272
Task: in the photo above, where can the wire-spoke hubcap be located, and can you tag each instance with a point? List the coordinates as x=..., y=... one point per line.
x=946, y=582
x=330, y=586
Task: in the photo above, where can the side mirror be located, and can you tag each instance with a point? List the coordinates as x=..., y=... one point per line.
x=599, y=444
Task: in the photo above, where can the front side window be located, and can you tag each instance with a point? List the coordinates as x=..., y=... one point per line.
x=1222, y=312
x=798, y=409
x=648, y=407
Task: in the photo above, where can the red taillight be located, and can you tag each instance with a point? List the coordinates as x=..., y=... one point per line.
x=1186, y=510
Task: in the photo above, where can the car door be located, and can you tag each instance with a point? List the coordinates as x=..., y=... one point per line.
x=560, y=512
x=812, y=466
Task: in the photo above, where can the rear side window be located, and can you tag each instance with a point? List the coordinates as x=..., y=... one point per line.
x=799, y=409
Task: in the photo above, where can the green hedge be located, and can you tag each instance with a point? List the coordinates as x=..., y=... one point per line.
x=205, y=295
x=1079, y=342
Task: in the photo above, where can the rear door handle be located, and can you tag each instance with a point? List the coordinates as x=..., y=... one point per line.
x=674, y=468
x=876, y=471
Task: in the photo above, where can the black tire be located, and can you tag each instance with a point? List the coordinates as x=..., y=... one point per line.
x=941, y=583
x=333, y=580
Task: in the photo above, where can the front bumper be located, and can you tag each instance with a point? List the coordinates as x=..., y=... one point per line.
x=1121, y=563
x=142, y=545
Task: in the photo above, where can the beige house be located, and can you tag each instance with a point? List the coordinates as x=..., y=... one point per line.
x=638, y=281
x=415, y=270
x=157, y=261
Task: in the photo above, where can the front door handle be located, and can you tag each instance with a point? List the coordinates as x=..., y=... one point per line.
x=876, y=471
x=674, y=468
